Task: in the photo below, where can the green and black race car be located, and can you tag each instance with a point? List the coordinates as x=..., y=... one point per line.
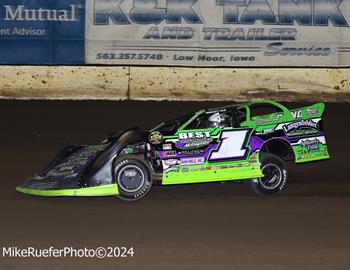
x=248, y=142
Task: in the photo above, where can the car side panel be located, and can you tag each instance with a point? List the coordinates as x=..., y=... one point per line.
x=302, y=129
x=220, y=158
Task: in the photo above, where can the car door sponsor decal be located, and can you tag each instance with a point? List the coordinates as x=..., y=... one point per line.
x=301, y=128
x=232, y=146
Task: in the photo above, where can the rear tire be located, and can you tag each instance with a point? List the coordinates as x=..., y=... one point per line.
x=274, y=180
x=132, y=175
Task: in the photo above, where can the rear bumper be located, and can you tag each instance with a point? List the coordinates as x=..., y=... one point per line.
x=103, y=190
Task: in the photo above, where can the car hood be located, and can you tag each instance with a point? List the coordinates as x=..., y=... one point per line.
x=66, y=169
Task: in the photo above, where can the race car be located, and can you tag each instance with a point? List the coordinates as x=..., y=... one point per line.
x=247, y=142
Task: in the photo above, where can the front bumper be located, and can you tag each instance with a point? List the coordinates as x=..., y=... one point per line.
x=103, y=190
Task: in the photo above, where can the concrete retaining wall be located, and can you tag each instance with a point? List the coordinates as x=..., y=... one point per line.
x=114, y=83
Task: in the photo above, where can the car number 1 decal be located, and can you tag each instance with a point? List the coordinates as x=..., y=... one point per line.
x=232, y=145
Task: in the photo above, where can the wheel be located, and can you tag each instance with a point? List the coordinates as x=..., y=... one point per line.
x=274, y=179
x=133, y=177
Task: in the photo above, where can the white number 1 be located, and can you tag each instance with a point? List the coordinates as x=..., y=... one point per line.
x=231, y=146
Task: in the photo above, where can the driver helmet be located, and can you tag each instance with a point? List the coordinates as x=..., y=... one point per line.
x=216, y=120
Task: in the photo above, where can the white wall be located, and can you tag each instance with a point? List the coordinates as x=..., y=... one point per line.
x=114, y=83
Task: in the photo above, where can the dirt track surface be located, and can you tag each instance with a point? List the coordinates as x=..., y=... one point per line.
x=208, y=226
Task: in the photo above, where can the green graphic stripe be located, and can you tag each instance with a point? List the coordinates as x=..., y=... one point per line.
x=202, y=177
x=312, y=159
x=187, y=175
x=105, y=190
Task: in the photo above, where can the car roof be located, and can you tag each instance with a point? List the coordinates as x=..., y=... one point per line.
x=243, y=104
x=222, y=108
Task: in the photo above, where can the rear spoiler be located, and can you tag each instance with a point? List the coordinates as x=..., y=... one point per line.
x=314, y=111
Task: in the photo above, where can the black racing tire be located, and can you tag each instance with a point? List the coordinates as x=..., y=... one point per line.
x=275, y=177
x=132, y=175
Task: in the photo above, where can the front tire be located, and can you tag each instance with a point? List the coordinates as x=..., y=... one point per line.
x=133, y=177
x=274, y=180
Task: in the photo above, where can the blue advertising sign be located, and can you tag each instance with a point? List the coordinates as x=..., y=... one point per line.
x=42, y=31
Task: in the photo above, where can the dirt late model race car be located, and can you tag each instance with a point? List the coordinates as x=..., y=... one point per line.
x=247, y=142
